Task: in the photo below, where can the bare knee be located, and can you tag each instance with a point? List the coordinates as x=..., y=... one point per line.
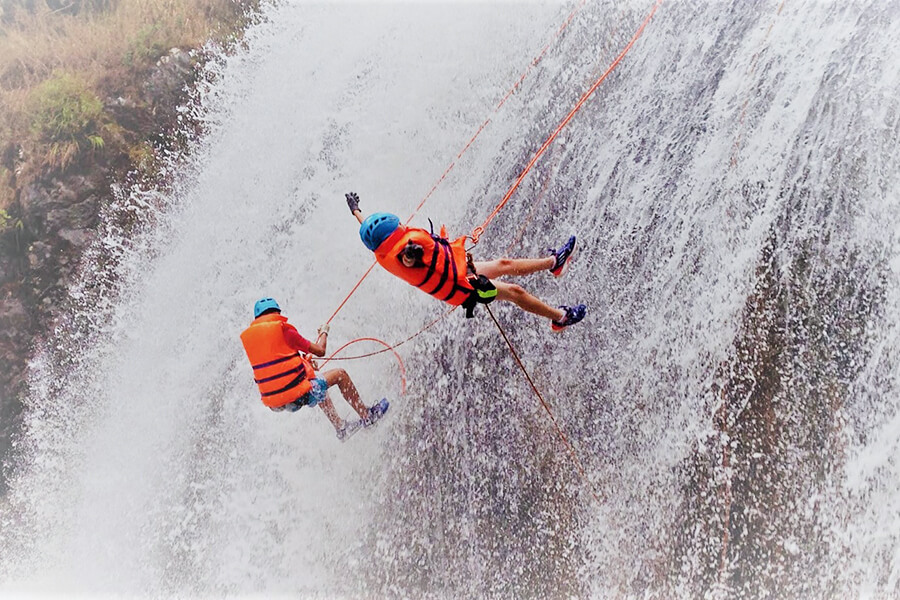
x=515, y=292
x=504, y=264
x=335, y=376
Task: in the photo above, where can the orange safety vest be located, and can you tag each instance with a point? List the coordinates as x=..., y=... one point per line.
x=444, y=273
x=281, y=373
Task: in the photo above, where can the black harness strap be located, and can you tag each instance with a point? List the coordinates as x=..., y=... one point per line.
x=293, y=383
x=478, y=282
x=447, y=262
x=274, y=362
x=299, y=369
x=431, y=267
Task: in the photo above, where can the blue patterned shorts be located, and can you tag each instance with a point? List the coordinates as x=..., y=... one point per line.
x=315, y=395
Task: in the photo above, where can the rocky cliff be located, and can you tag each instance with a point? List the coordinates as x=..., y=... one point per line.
x=55, y=214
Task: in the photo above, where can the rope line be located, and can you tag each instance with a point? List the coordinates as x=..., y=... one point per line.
x=383, y=350
x=537, y=204
x=559, y=431
x=387, y=348
x=478, y=231
x=726, y=496
x=355, y=287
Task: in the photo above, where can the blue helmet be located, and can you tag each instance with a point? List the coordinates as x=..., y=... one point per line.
x=263, y=305
x=377, y=228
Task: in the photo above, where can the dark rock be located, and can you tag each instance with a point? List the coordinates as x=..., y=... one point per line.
x=13, y=318
x=38, y=254
x=165, y=89
x=63, y=202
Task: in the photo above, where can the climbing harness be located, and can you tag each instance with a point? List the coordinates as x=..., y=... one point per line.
x=484, y=293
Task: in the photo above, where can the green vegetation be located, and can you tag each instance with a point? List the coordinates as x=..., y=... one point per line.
x=147, y=46
x=65, y=117
x=7, y=222
x=62, y=61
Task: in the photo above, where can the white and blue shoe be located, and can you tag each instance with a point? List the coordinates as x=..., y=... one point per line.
x=573, y=315
x=347, y=429
x=563, y=255
x=376, y=411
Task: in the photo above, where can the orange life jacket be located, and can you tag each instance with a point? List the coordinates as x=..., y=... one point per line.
x=281, y=373
x=443, y=274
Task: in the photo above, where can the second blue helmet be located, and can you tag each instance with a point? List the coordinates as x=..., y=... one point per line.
x=376, y=228
x=263, y=305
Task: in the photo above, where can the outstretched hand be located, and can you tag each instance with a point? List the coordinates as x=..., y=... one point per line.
x=352, y=201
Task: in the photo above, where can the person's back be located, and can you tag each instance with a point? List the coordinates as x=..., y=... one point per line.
x=287, y=380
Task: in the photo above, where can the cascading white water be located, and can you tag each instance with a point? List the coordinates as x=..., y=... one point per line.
x=733, y=187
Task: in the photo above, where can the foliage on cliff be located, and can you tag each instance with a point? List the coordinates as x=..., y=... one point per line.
x=67, y=65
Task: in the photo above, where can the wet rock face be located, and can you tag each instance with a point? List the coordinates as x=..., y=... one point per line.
x=164, y=89
x=54, y=219
x=59, y=217
x=63, y=210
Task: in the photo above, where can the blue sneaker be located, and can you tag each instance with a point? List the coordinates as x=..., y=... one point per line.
x=572, y=316
x=376, y=411
x=562, y=256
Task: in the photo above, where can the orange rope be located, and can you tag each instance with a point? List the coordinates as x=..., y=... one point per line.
x=355, y=287
x=727, y=495
x=538, y=202
x=422, y=330
x=387, y=347
x=559, y=431
x=478, y=231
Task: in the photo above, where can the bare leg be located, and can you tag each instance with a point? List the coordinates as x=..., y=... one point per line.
x=340, y=378
x=514, y=266
x=518, y=296
x=332, y=415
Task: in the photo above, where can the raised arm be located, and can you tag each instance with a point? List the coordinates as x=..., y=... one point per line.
x=353, y=203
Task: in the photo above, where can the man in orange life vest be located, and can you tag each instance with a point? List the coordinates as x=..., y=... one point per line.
x=442, y=268
x=286, y=379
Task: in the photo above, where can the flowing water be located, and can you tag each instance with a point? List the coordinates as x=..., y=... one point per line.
x=732, y=394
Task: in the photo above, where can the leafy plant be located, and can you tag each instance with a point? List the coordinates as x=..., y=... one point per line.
x=7, y=222
x=146, y=47
x=66, y=117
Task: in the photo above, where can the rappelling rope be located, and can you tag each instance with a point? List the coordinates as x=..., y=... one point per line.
x=478, y=231
x=727, y=497
x=387, y=348
x=738, y=141
x=559, y=431
x=511, y=91
x=383, y=350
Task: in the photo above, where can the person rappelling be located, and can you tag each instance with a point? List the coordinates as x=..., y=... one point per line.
x=287, y=379
x=445, y=270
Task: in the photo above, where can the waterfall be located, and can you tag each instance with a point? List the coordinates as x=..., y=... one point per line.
x=732, y=393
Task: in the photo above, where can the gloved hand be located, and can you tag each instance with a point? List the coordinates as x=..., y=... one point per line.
x=324, y=329
x=352, y=201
